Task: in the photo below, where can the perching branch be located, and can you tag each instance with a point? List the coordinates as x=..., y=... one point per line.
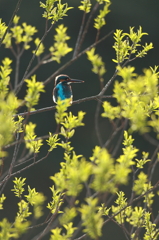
x=54, y=107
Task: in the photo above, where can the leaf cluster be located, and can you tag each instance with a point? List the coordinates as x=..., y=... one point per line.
x=60, y=47
x=100, y=19
x=21, y=222
x=31, y=141
x=19, y=33
x=33, y=92
x=128, y=45
x=53, y=11
x=85, y=6
x=98, y=64
x=137, y=98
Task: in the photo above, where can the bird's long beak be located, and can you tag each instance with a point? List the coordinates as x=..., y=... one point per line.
x=75, y=81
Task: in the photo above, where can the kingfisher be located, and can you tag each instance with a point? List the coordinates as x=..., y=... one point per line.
x=62, y=87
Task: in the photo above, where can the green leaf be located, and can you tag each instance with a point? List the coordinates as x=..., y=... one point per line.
x=127, y=45
x=2, y=198
x=18, y=186
x=91, y=219
x=60, y=47
x=33, y=91
x=52, y=141
x=98, y=64
x=54, y=12
x=31, y=142
x=100, y=19
x=85, y=6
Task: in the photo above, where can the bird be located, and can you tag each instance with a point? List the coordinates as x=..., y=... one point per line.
x=62, y=89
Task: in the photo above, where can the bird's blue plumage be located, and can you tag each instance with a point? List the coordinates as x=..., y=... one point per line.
x=62, y=91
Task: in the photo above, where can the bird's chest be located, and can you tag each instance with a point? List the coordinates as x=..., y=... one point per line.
x=64, y=91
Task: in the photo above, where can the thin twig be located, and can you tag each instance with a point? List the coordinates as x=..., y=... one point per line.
x=126, y=233
x=79, y=35
x=120, y=139
x=81, y=237
x=97, y=35
x=12, y=164
x=97, y=129
x=108, y=83
x=154, y=164
x=41, y=62
x=17, y=71
x=112, y=136
x=14, y=143
x=96, y=123
x=14, y=155
x=24, y=160
x=114, y=75
x=133, y=182
x=150, y=139
x=78, y=229
x=39, y=225
x=87, y=25
x=17, y=56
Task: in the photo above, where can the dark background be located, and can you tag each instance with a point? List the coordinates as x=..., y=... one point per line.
x=124, y=13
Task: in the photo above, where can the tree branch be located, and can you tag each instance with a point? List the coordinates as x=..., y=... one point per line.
x=54, y=107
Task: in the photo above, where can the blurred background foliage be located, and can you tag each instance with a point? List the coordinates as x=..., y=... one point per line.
x=124, y=13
